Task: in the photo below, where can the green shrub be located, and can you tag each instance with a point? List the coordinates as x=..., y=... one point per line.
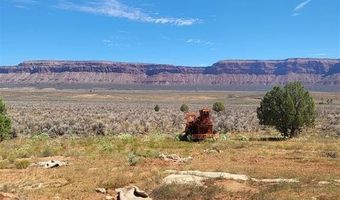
x=47, y=152
x=22, y=164
x=3, y=109
x=133, y=159
x=5, y=122
x=218, y=106
x=99, y=128
x=106, y=147
x=24, y=151
x=288, y=109
x=4, y=164
x=184, y=108
x=156, y=108
x=41, y=136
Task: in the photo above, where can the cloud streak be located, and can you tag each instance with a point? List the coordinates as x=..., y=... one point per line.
x=114, y=8
x=23, y=3
x=108, y=43
x=299, y=7
x=319, y=54
x=198, y=41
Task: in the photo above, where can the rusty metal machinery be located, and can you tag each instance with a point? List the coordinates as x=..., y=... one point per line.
x=199, y=125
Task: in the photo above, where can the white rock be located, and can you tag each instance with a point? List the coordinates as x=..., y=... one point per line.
x=51, y=164
x=109, y=198
x=132, y=193
x=323, y=182
x=224, y=175
x=174, y=158
x=184, y=179
x=101, y=190
x=193, y=177
x=276, y=180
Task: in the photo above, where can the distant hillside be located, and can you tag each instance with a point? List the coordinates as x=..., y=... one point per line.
x=315, y=73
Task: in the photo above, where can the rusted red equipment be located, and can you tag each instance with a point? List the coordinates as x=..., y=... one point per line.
x=199, y=125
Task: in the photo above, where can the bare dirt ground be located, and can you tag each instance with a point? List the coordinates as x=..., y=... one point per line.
x=116, y=159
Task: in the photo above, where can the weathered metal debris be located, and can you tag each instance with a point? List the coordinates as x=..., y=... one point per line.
x=199, y=125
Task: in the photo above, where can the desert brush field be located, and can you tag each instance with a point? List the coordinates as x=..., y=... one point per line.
x=112, y=139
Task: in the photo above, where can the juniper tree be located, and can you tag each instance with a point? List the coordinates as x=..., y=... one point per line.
x=218, y=106
x=288, y=109
x=5, y=122
x=184, y=108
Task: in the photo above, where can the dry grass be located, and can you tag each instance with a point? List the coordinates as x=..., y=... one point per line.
x=104, y=162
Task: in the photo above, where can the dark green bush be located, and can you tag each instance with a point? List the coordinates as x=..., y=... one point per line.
x=218, y=106
x=288, y=109
x=184, y=108
x=156, y=108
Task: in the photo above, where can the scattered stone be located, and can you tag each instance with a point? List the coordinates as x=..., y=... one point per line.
x=212, y=151
x=101, y=190
x=276, y=180
x=57, y=197
x=3, y=187
x=338, y=181
x=330, y=154
x=132, y=193
x=174, y=158
x=323, y=182
x=54, y=183
x=8, y=196
x=34, y=186
x=51, y=164
x=109, y=198
x=184, y=179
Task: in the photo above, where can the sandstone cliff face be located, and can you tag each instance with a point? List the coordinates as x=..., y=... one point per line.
x=227, y=72
x=281, y=67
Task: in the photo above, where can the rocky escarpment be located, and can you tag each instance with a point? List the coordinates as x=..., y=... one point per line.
x=312, y=72
x=96, y=67
x=276, y=67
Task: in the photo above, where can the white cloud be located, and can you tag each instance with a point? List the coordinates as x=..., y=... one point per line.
x=114, y=8
x=295, y=14
x=319, y=54
x=299, y=7
x=108, y=43
x=23, y=3
x=198, y=41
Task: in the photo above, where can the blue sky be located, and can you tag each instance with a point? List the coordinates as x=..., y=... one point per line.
x=181, y=32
